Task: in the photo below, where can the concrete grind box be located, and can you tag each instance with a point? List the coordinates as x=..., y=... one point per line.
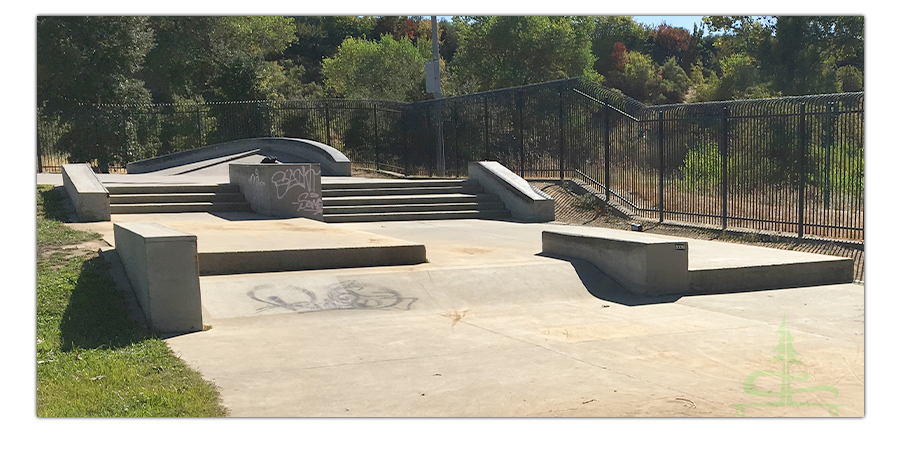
x=162, y=265
x=285, y=190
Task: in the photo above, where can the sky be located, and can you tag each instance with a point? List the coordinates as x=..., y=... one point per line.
x=686, y=22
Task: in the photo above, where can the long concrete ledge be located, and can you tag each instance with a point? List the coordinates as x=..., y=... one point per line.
x=286, y=150
x=764, y=277
x=163, y=268
x=644, y=266
x=87, y=193
x=655, y=265
x=523, y=201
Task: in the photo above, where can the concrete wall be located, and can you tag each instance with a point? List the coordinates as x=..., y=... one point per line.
x=523, y=201
x=88, y=195
x=287, y=150
x=644, y=267
x=163, y=268
x=281, y=190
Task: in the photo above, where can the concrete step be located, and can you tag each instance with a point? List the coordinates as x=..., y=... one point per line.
x=407, y=191
x=394, y=183
x=160, y=198
x=433, y=207
x=408, y=199
x=413, y=216
x=116, y=189
x=180, y=207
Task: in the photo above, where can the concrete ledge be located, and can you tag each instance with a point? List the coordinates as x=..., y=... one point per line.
x=765, y=277
x=523, y=201
x=286, y=150
x=89, y=197
x=266, y=261
x=643, y=266
x=284, y=191
x=162, y=266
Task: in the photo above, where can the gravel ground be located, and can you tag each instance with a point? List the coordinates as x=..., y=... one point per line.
x=573, y=209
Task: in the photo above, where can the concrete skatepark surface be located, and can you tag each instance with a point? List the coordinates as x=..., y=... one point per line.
x=490, y=328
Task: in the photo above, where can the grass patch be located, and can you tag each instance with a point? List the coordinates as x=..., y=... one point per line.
x=91, y=359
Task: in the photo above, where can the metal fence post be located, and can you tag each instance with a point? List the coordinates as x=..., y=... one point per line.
x=607, y=146
x=327, y=125
x=662, y=160
x=562, y=141
x=199, y=128
x=487, y=152
x=724, y=150
x=520, y=106
x=375, y=122
x=829, y=142
x=801, y=207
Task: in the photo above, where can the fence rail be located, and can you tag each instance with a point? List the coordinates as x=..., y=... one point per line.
x=792, y=164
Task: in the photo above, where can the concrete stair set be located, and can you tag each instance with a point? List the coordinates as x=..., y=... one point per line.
x=127, y=198
x=342, y=201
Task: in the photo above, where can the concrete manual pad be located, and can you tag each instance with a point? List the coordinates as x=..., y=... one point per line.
x=490, y=328
x=238, y=242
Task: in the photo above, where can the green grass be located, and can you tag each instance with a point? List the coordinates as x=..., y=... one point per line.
x=91, y=359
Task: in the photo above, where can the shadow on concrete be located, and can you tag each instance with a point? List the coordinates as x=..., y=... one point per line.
x=605, y=288
x=242, y=216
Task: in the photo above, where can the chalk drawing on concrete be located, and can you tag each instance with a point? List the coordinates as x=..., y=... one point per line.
x=349, y=294
x=786, y=356
x=355, y=295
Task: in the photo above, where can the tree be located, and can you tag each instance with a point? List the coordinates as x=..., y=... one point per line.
x=808, y=51
x=90, y=60
x=216, y=58
x=84, y=61
x=318, y=37
x=504, y=51
x=644, y=80
x=673, y=42
x=609, y=30
x=386, y=69
x=740, y=80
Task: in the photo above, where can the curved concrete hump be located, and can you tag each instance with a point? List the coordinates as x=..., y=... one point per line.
x=287, y=150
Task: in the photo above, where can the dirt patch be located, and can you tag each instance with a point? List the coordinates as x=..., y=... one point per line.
x=572, y=209
x=87, y=249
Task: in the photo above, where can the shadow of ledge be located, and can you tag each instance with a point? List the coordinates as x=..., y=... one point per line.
x=605, y=288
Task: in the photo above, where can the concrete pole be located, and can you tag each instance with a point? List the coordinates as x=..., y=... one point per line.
x=436, y=58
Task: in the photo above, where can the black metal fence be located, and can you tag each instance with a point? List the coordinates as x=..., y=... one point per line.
x=791, y=164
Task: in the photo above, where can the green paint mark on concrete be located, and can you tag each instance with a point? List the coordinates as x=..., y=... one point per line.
x=786, y=355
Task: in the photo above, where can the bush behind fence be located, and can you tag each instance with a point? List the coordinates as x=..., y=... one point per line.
x=791, y=164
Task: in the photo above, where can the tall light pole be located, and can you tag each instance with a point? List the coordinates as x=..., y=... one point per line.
x=433, y=85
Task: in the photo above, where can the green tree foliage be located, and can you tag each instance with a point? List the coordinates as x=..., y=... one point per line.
x=502, y=51
x=217, y=58
x=318, y=37
x=386, y=69
x=94, y=60
x=648, y=82
x=808, y=52
x=796, y=55
x=609, y=30
x=740, y=80
x=91, y=60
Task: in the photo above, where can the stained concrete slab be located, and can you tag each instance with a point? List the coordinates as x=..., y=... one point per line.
x=489, y=328
x=496, y=330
